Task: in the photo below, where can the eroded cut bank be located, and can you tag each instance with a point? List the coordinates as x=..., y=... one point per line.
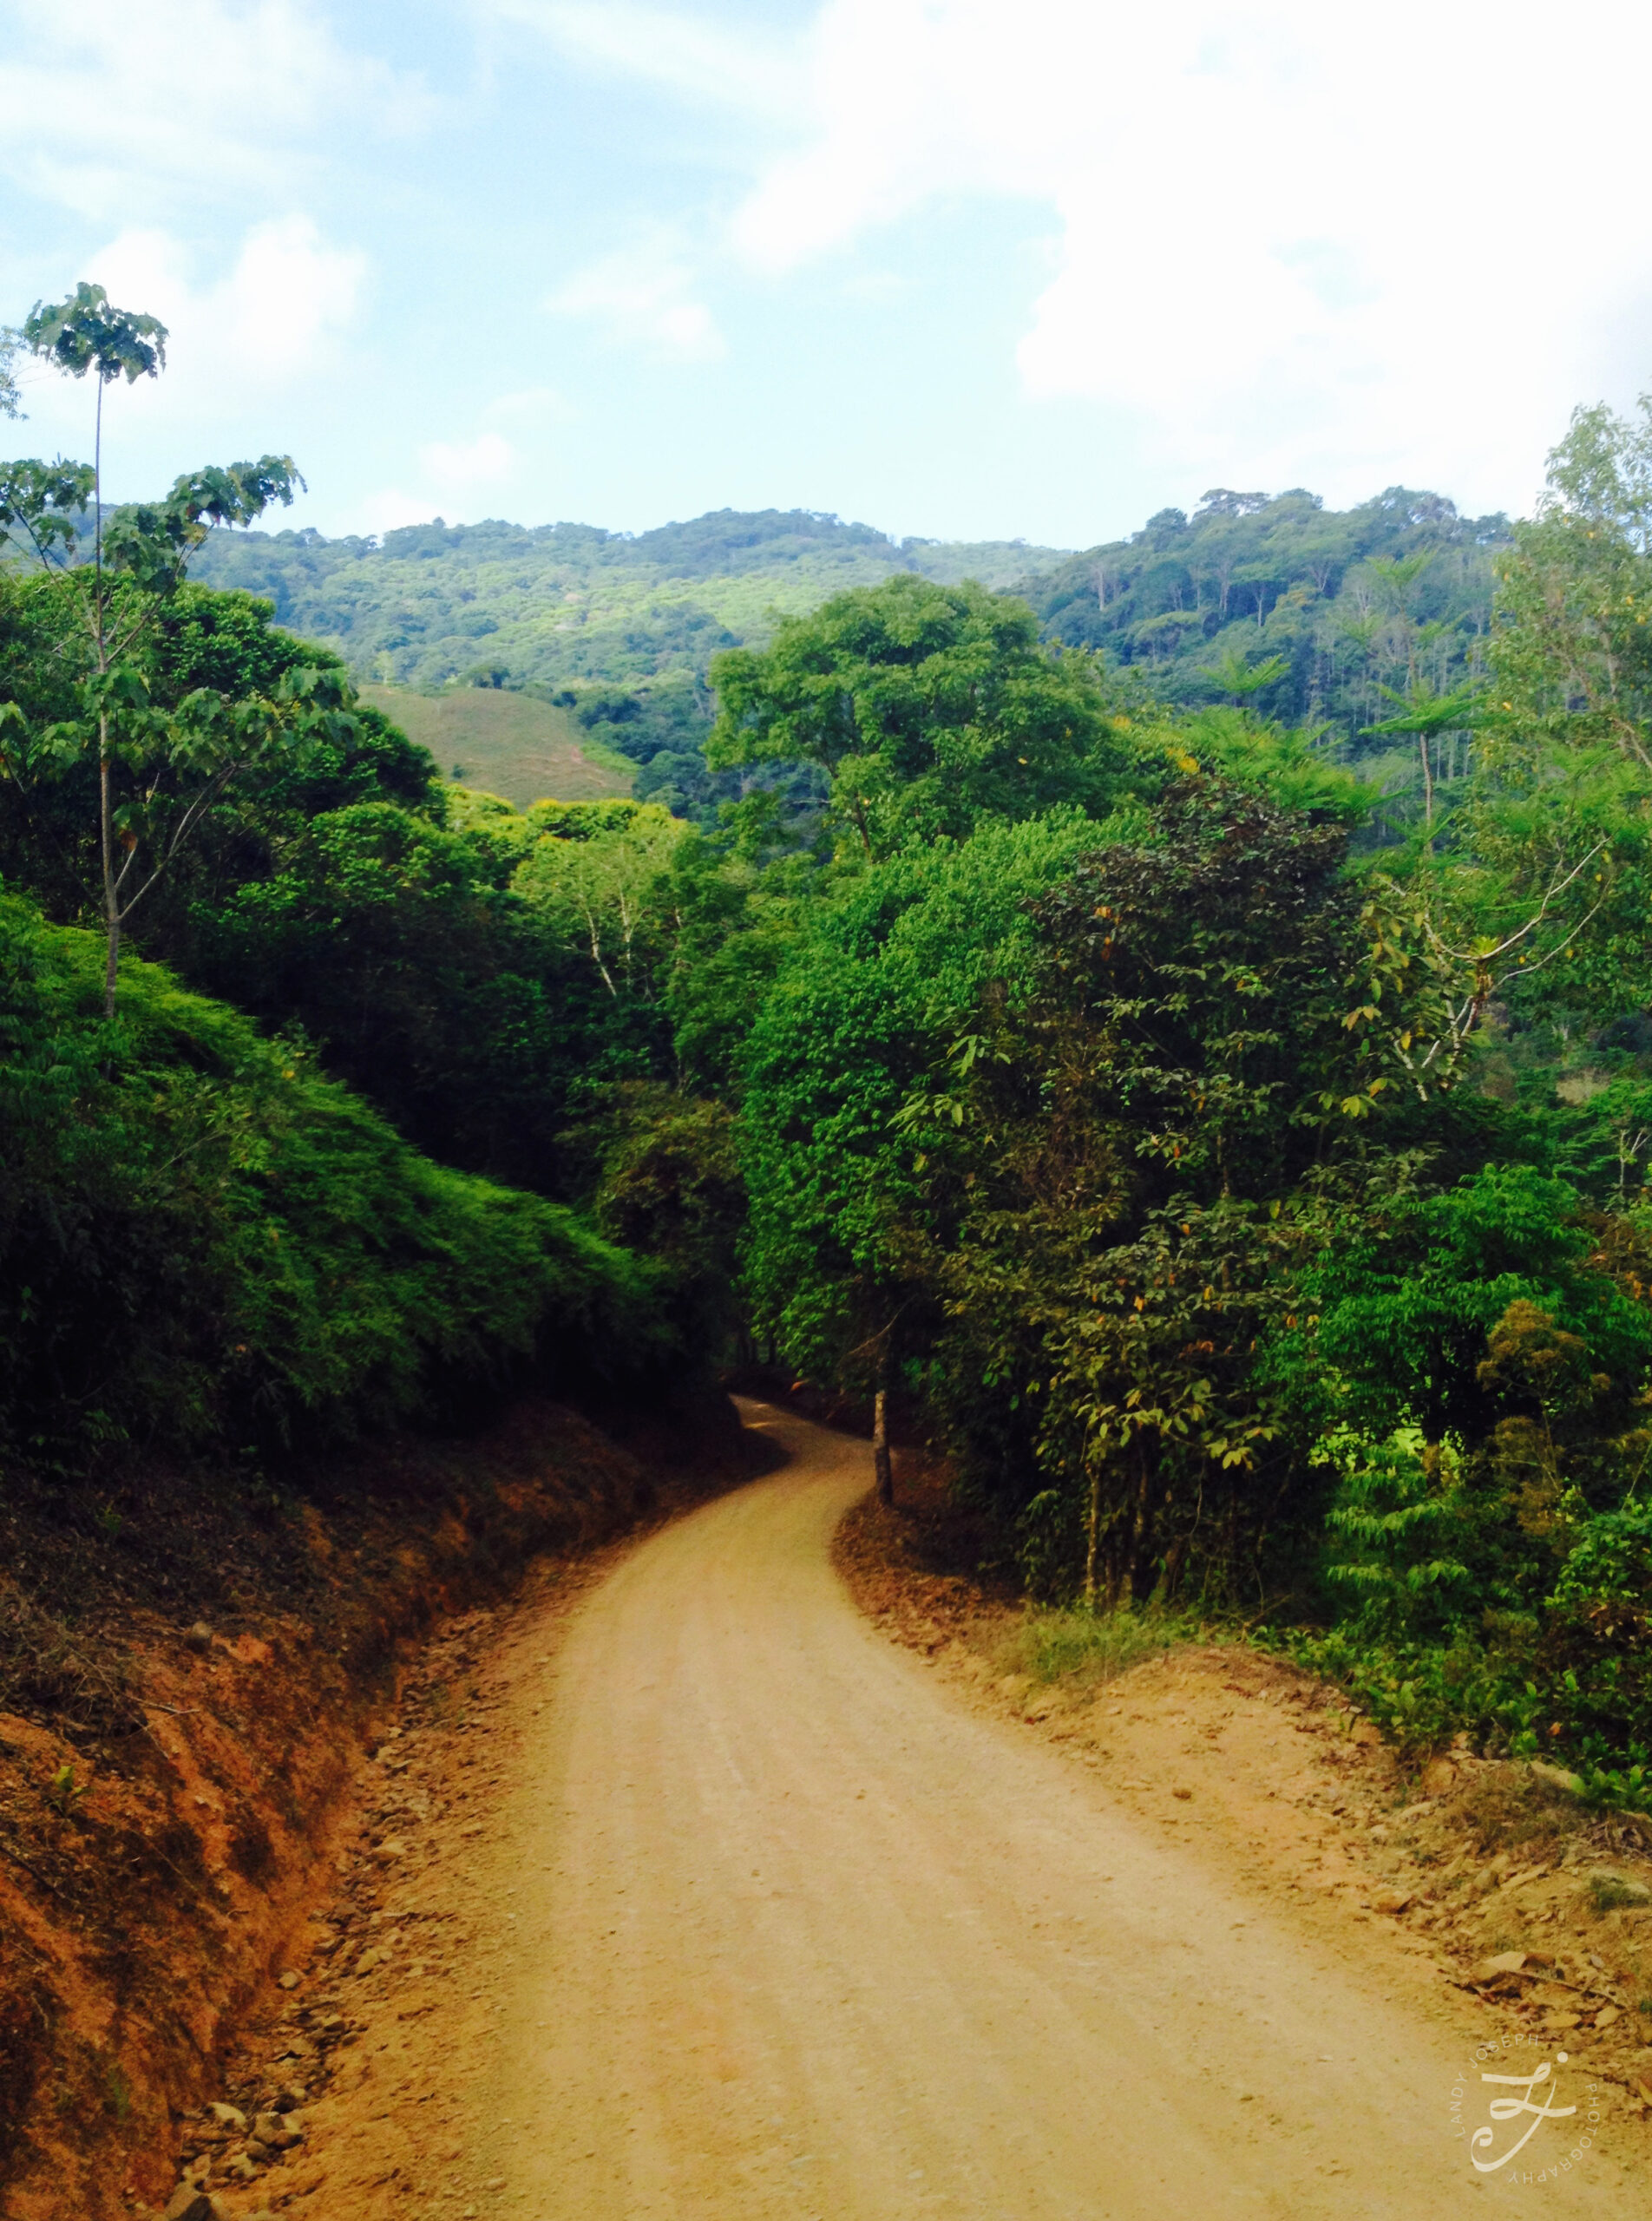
x=182, y=1746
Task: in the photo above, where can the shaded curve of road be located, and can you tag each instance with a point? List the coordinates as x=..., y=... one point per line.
x=802, y=1935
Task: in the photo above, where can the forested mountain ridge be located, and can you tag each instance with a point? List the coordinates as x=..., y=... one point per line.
x=1312, y=616
x=1308, y=613
x=562, y=603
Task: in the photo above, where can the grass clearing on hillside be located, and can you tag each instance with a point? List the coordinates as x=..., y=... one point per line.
x=506, y=743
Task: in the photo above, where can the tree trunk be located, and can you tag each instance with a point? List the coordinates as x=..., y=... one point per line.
x=882, y=1471
x=105, y=799
x=111, y=968
x=111, y=892
x=1138, y=1587
x=1091, y=1536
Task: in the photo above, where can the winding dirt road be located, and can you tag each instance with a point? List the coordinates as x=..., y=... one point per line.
x=800, y=1934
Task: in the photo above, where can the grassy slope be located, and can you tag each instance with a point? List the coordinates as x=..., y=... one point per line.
x=508, y=744
x=205, y=1243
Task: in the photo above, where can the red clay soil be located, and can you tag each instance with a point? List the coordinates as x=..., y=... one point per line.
x=1486, y=1880
x=175, y=1789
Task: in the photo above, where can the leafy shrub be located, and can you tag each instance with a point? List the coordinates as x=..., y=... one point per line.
x=1573, y=1677
x=203, y=1242
x=1597, y=1648
x=1420, y=1692
x=1394, y=1540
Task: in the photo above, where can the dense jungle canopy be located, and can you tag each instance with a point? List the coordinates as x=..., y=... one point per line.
x=1177, y=1034
x=1307, y=614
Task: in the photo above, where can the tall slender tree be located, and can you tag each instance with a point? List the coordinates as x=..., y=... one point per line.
x=177, y=764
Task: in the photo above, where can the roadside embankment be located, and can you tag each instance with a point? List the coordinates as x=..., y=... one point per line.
x=1489, y=1879
x=190, y=1680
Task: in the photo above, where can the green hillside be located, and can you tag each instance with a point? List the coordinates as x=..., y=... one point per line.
x=1315, y=617
x=512, y=744
x=565, y=603
x=1307, y=612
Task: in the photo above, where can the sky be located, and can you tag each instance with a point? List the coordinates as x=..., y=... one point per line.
x=965, y=269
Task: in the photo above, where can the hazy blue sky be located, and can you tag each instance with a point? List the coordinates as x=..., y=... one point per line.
x=958, y=267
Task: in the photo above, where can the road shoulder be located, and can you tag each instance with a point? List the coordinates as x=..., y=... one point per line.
x=1483, y=1893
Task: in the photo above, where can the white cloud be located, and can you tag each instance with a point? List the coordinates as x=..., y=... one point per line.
x=268, y=320
x=460, y=469
x=287, y=295
x=1290, y=243
x=665, y=47
x=254, y=335
x=455, y=474
x=387, y=510
x=643, y=297
x=108, y=104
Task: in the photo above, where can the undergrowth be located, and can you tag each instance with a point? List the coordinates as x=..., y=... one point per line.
x=1056, y=1642
x=207, y=1244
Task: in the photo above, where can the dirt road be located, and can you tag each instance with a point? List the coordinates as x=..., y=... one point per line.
x=797, y=1932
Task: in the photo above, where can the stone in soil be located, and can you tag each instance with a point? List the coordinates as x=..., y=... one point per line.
x=1504, y=1963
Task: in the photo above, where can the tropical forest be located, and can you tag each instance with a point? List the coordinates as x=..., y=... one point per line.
x=1159, y=1035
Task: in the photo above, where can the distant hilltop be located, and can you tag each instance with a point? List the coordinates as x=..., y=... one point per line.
x=561, y=603
x=1305, y=612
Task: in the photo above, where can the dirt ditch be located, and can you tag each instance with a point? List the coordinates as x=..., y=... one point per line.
x=182, y=1776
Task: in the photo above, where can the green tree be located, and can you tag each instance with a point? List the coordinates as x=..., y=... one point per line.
x=206, y=1244
x=1551, y=829
x=604, y=894
x=926, y=707
x=11, y=346
x=1571, y=652
x=1428, y=714
x=1241, y=679
x=1154, y=1140
x=661, y=1177
x=848, y=1217
x=1407, y=1302
x=396, y=945
x=159, y=772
